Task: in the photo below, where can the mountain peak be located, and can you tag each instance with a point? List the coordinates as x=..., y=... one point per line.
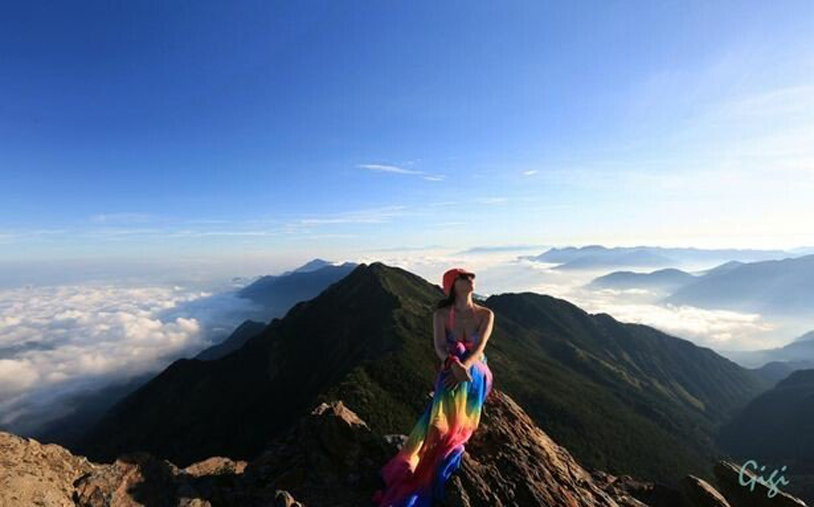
x=395, y=281
x=311, y=265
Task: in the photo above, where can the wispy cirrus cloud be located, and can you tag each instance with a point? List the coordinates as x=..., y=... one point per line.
x=400, y=170
x=371, y=215
x=11, y=236
x=305, y=226
x=192, y=233
x=123, y=217
x=490, y=200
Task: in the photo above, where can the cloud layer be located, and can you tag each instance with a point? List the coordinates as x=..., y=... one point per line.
x=500, y=271
x=68, y=338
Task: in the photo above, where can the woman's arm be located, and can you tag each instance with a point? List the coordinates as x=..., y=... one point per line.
x=439, y=335
x=485, y=331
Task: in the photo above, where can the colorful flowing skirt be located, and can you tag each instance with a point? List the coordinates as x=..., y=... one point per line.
x=416, y=476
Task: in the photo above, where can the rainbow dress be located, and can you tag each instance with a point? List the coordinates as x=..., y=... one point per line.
x=416, y=476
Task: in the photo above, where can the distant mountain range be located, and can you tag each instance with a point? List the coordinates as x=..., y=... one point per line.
x=774, y=288
x=622, y=397
x=778, y=362
x=664, y=280
x=598, y=257
x=309, y=266
x=278, y=293
x=775, y=371
x=782, y=287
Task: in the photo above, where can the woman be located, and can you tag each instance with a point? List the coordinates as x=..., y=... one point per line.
x=417, y=474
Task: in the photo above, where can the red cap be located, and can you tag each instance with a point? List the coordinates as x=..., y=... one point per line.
x=451, y=275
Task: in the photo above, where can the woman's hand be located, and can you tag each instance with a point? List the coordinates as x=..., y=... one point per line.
x=457, y=373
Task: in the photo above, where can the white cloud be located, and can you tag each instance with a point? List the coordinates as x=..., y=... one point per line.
x=16, y=375
x=490, y=200
x=373, y=215
x=124, y=217
x=389, y=169
x=400, y=170
x=714, y=328
x=710, y=328
x=501, y=271
x=68, y=338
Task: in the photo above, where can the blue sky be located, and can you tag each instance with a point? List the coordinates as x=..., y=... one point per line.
x=331, y=129
x=193, y=142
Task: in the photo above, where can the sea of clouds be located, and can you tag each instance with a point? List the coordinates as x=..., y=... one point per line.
x=508, y=271
x=59, y=340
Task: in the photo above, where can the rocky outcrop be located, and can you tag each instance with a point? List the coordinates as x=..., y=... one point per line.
x=332, y=458
x=501, y=469
x=699, y=492
x=35, y=474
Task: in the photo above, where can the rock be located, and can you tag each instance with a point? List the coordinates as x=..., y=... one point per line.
x=49, y=475
x=700, y=493
x=396, y=440
x=216, y=465
x=510, y=461
x=32, y=473
x=284, y=499
x=134, y=479
x=330, y=458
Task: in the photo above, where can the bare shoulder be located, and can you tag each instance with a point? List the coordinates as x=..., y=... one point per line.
x=483, y=312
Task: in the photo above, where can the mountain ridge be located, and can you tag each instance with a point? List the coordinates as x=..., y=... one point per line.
x=367, y=340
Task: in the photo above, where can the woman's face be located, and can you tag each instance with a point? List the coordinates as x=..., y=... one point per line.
x=465, y=283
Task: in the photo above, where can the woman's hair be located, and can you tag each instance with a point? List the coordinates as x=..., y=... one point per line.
x=447, y=301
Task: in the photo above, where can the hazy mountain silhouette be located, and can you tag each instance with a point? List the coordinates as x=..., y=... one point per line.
x=278, y=293
x=596, y=384
x=311, y=265
x=777, y=363
x=775, y=371
x=722, y=268
x=778, y=287
x=597, y=256
x=665, y=280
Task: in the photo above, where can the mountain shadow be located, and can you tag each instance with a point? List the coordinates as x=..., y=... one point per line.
x=777, y=429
